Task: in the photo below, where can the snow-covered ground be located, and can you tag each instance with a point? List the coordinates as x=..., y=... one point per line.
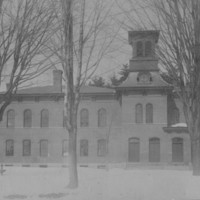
x=99, y=184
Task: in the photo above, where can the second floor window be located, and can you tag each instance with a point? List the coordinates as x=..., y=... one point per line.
x=11, y=118
x=102, y=118
x=44, y=121
x=138, y=113
x=149, y=113
x=84, y=118
x=64, y=120
x=27, y=118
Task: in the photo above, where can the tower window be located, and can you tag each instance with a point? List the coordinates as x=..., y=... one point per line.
x=143, y=49
x=139, y=49
x=148, y=48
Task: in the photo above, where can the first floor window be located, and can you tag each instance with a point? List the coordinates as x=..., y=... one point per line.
x=177, y=150
x=44, y=148
x=154, y=150
x=26, y=148
x=64, y=147
x=101, y=151
x=9, y=147
x=84, y=147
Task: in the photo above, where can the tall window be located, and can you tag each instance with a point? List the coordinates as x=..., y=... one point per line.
x=138, y=113
x=64, y=119
x=175, y=116
x=27, y=118
x=64, y=147
x=148, y=48
x=10, y=118
x=154, y=150
x=44, y=118
x=139, y=47
x=84, y=118
x=177, y=150
x=44, y=148
x=84, y=147
x=149, y=113
x=9, y=147
x=101, y=150
x=133, y=149
x=26, y=147
x=102, y=118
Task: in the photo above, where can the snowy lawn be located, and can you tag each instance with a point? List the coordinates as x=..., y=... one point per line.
x=99, y=184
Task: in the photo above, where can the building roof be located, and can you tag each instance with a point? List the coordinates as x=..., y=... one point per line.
x=50, y=89
x=131, y=82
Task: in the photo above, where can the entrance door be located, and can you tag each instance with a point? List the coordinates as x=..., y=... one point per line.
x=177, y=150
x=154, y=150
x=134, y=150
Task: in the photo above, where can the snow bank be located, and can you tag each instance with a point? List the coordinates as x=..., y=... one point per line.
x=179, y=125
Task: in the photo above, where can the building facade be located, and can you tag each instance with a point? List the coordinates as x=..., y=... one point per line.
x=139, y=122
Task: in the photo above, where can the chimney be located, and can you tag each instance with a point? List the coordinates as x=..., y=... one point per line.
x=57, y=80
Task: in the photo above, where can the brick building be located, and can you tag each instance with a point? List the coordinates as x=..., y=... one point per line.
x=136, y=122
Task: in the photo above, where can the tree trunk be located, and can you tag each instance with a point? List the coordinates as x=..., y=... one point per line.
x=195, y=157
x=73, y=175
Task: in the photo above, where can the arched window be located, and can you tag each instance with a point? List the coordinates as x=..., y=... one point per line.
x=139, y=47
x=154, y=150
x=43, y=148
x=84, y=147
x=26, y=147
x=101, y=147
x=44, y=118
x=148, y=48
x=138, y=113
x=27, y=118
x=133, y=149
x=84, y=117
x=175, y=116
x=64, y=147
x=9, y=147
x=11, y=118
x=149, y=113
x=177, y=149
x=102, y=118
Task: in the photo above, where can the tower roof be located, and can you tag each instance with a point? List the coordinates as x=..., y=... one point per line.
x=153, y=34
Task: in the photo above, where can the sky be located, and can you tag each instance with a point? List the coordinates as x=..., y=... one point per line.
x=119, y=51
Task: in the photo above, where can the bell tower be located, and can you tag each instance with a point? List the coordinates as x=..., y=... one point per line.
x=143, y=55
x=143, y=65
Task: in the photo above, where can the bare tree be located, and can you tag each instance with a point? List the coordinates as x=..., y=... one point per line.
x=179, y=54
x=24, y=29
x=79, y=44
